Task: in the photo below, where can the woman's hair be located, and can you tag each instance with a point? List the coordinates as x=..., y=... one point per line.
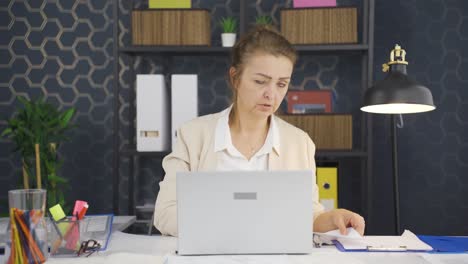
x=260, y=39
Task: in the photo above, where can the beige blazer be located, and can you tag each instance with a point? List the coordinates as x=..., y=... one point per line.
x=194, y=151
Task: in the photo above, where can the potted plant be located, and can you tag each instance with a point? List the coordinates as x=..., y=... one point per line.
x=229, y=26
x=37, y=130
x=263, y=20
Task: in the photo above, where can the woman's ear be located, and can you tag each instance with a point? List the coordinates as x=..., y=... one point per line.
x=232, y=76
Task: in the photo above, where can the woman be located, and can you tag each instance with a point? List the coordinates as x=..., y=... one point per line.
x=247, y=136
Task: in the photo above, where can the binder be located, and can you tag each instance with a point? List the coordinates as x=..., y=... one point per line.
x=327, y=181
x=184, y=101
x=152, y=113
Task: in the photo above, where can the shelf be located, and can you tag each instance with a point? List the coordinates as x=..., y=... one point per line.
x=340, y=154
x=206, y=50
x=332, y=47
x=155, y=154
x=174, y=50
x=318, y=154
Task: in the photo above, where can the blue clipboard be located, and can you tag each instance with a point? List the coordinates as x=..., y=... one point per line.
x=446, y=244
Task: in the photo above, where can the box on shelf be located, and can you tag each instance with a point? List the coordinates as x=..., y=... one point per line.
x=169, y=3
x=312, y=3
x=309, y=101
x=325, y=25
x=189, y=27
x=328, y=131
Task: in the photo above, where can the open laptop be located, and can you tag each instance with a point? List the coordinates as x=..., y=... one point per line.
x=244, y=212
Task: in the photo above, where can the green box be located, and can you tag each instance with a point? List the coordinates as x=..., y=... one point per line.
x=169, y=3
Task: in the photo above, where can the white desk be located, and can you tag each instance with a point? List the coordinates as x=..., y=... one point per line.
x=127, y=248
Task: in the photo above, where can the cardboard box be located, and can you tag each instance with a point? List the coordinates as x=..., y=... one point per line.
x=309, y=102
x=189, y=27
x=328, y=131
x=327, y=25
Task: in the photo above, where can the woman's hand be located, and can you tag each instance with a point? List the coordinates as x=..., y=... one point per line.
x=339, y=219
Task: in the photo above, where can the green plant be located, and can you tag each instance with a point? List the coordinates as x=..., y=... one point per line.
x=39, y=122
x=228, y=24
x=263, y=20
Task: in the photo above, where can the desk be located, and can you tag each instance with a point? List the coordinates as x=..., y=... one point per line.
x=128, y=248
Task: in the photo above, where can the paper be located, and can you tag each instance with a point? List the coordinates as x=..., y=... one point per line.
x=328, y=237
x=406, y=242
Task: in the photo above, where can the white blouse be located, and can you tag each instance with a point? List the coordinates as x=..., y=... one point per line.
x=230, y=158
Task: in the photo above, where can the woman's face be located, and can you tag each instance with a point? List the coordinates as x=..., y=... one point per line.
x=263, y=84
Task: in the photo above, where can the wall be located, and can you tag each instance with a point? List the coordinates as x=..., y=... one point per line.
x=433, y=147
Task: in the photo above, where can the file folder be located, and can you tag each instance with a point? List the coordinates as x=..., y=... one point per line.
x=152, y=113
x=184, y=101
x=327, y=181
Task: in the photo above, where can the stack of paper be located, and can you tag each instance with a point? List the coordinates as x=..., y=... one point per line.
x=354, y=242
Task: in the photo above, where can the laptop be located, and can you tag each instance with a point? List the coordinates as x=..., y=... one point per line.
x=244, y=212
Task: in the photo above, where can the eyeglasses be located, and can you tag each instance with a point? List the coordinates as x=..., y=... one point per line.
x=88, y=247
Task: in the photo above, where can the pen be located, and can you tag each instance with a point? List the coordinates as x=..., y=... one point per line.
x=58, y=241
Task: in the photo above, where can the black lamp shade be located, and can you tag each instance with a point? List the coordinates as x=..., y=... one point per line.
x=397, y=94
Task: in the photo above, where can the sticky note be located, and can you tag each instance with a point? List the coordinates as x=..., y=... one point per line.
x=57, y=212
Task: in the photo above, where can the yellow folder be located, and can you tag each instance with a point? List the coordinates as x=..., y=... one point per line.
x=327, y=181
x=169, y=3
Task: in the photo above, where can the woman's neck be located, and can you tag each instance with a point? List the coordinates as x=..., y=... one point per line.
x=244, y=123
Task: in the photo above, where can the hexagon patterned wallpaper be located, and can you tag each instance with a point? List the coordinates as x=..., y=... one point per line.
x=63, y=50
x=433, y=147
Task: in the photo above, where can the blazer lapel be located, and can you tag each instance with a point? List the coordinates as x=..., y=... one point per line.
x=209, y=158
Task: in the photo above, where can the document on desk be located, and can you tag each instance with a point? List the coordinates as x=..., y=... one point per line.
x=406, y=242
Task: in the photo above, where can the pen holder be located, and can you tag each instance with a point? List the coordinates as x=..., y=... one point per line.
x=66, y=236
x=27, y=231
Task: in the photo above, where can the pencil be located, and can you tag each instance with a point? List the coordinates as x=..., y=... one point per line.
x=35, y=249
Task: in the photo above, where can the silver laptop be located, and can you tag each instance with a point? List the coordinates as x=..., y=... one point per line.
x=244, y=212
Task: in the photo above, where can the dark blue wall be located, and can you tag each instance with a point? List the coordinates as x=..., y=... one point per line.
x=433, y=147
x=63, y=50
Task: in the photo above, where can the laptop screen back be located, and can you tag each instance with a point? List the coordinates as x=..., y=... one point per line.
x=244, y=212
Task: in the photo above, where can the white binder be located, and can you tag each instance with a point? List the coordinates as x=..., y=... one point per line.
x=152, y=113
x=184, y=99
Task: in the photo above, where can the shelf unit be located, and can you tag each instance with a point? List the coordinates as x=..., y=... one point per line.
x=365, y=49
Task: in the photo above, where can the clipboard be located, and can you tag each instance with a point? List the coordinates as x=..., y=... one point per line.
x=446, y=244
x=407, y=242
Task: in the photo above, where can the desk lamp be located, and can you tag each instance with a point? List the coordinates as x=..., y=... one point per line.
x=397, y=94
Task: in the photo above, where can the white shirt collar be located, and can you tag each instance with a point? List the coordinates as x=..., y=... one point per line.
x=223, y=138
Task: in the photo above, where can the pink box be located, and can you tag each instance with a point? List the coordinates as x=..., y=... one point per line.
x=313, y=3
